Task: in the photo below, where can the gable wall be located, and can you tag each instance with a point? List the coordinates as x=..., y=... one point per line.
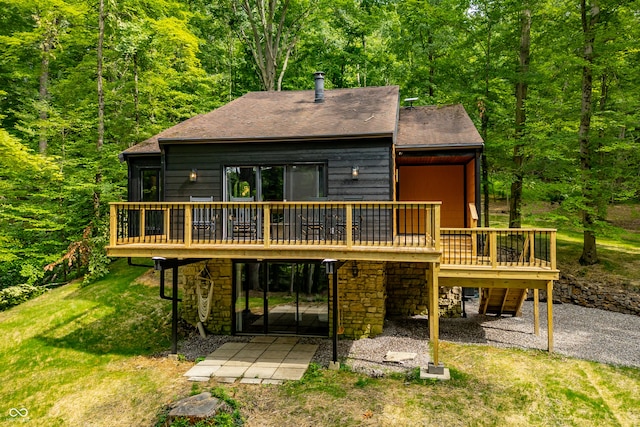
x=373, y=157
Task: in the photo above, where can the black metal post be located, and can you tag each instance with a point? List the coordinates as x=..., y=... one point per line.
x=174, y=312
x=335, y=314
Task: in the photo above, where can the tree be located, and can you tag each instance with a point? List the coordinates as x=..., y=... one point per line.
x=590, y=14
x=270, y=30
x=521, y=87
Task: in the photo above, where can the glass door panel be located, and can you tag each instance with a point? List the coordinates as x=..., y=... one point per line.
x=281, y=298
x=305, y=182
x=249, y=299
x=313, y=301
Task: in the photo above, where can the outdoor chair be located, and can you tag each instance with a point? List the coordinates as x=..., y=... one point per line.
x=312, y=225
x=203, y=218
x=244, y=220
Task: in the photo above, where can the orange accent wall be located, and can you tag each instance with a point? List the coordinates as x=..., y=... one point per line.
x=436, y=183
x=471, y=187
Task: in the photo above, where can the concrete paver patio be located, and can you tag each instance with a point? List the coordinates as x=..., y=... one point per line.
x=263, y=360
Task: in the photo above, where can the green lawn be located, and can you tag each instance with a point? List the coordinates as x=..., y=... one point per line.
x=80, y=353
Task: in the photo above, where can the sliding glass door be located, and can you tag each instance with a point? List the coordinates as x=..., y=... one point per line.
x=295, y=182
x=281, y=298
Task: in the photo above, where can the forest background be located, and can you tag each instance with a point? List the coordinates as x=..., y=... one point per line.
x=552, y=85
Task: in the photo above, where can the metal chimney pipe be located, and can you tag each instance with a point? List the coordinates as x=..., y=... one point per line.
x=319, y=75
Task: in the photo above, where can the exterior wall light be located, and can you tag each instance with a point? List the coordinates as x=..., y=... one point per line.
x=355, y=173
x=193, y=175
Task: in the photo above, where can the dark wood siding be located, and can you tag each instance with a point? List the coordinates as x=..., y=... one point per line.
x=373, y=157
x=135, y=165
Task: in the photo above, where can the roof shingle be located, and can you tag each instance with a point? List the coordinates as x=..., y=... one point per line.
x=288, y=115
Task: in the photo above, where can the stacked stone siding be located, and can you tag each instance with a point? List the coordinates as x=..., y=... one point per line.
x=219, y=321
x=361, y=296
x=407, y=290
x=408, y=293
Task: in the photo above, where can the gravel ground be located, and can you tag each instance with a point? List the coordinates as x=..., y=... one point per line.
x=580, y=332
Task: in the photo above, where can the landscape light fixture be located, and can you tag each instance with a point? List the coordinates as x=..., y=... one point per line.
x=355, y=173
x=193, y=175
x=330, y=265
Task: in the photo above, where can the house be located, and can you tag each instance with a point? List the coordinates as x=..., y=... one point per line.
x=322, y=212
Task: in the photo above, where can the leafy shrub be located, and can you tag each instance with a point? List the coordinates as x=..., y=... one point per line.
x=18, y=294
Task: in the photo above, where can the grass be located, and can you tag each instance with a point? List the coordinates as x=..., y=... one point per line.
x=80, y=353
x=79, y=356
x=489, y=386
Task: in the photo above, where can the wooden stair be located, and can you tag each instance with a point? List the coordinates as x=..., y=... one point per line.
x=502, y=301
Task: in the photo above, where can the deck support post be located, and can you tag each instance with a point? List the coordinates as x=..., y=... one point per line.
x=332, y=268
x=536, y=312
x=161, y=264
x=550, y=316
x=434, y=317
x=174, y=312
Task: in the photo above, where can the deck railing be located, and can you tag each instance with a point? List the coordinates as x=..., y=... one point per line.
x=272, y=224
x=496, y=247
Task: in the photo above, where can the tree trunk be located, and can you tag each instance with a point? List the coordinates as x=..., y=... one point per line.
x=99, y=76
x=48, y=43
x=484, y=127
x=515, y=204
x=100, y=141
x=136, y=92
x=590, y=19
x=43, y=95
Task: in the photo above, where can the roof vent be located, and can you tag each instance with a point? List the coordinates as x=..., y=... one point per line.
x=319, y=86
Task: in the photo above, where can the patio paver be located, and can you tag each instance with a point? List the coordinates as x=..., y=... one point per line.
x=263, y=360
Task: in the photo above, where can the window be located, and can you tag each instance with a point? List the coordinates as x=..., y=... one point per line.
x=295, y=182
x=150, y=180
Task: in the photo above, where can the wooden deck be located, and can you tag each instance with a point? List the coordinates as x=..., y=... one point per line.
x=503, y=262
x=380, y=231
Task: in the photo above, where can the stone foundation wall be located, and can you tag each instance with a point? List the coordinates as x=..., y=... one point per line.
x=408, y=294
x=362, y=295
x=570, y=289
x=219, y=321
x=368, y=292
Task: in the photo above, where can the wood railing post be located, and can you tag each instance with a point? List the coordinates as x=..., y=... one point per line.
x=532, y=248
x=188, y=225
x=143, y=224
x=552, y=248
x=266, y=214
x=493, y=248
x=113, y=224
x=436, y=227
x=474, y=243
x=349, y=224
x=167, y=222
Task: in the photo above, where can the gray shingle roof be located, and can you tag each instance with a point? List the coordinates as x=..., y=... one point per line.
x=433, y=127
x=288, y=115
x=345, y=113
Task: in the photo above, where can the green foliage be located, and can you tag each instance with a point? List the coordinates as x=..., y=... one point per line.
x=14, y=295
x=167, y=61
